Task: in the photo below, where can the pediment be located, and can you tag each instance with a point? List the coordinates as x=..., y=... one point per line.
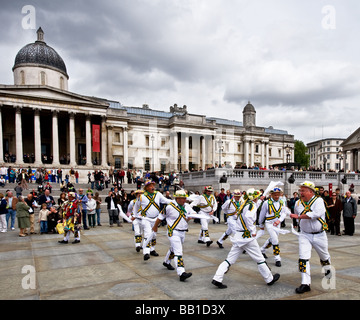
x=352, y=141
x=45, y=93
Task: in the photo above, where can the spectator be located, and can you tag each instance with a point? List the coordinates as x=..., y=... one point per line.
x=18, y=189
x=98, y=207
x=22, y=213
x=30, y=202
x=3, y=212
x=91, y=210
x=349, y=214
x=2, y=181
x=11, y=209
x=53, y=219
x=335, y=207
x=43, y=218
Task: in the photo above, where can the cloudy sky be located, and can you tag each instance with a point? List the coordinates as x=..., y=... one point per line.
x=298, y=62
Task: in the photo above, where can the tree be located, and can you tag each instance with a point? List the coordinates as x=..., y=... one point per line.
x=301, y=155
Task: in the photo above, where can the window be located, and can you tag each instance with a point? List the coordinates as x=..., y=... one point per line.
x=163, y=142
x=62, y=83
x=256, y=148
x=117, y=137
x=239, y=147
x=42, y=78
x=117, y=163
x=130, y=140
x=22, y=77
x=147, y=141
x=147, y=164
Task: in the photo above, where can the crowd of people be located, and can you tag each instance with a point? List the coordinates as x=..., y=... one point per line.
x=247, y=214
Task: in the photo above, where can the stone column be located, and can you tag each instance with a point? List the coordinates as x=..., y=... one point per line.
x=37, y=137
x=72, y=139
x=18, y=137
x=55, y=136
x=88, y=140
x=252, y=153
x=267, y=155
x=125, y=147
x=203, y=151
x=109, y=143
x=1, y=137
x=186, y=152
x=104, y=143
x=175, y=152
x=263, y=154
x=246, y=152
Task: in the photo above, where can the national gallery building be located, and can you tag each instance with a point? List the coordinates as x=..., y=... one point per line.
x=44, y=124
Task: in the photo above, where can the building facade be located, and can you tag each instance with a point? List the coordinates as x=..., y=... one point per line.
x=328, y=155
x=43, y=123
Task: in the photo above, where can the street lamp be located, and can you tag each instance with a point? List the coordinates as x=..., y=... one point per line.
x=288, y=156
x=341, y=157
x=325, y=160
x=220, y=150
x=152, y=147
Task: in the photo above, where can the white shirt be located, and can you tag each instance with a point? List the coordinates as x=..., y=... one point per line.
x=317, y=210
x=151, y=211
x=171, y=215
x=91, y=206
x=204, y=205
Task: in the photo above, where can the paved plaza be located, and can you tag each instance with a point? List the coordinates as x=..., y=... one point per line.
x=105, y=266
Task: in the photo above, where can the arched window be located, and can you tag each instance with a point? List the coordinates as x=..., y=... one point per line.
x=42, y=78
x=62, y=83
x=22, y=77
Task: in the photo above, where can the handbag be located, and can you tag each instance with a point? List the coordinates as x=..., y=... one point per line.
x=60, y=228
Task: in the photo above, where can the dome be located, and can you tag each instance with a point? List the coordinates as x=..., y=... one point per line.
x=249, y=108
x=40, y=54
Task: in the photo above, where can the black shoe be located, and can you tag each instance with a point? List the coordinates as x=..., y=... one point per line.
x=219, y=284
x=76, y=241
x=220, y=245
x=208, y=243
x=200, y=241
x=86, y=228
x=168, y=265
x=63, y=241
x=146, y=256
x=154, y=253
x=276, y=277
x=278, y=263
x=138, y=249
x=185, y=275
x=303, y=288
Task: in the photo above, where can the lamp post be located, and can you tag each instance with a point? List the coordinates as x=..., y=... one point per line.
x=341, y=157
x=152, y=147
x=288, y=156
x=220, y=142
x=325, y=160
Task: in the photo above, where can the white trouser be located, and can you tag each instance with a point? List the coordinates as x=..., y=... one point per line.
x=3, y=223
x=138, y=230
x=204, y=232
x=306, y=242
x=231, y=226
x=147, y=227
x=273, y=240
x=176, y=251
x=76, y=235
x=252, y=248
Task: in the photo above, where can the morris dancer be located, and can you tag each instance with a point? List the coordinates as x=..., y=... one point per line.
x=310, y=212
x=208, y=205
x=230, y=208
x=136, y=221
x=71, y=218
x=176, y=215
x=273, y=212
x=148, y=205
x=244, y=239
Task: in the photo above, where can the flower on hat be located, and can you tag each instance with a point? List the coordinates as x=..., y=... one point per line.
x=252, y=194
x=180, y=194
